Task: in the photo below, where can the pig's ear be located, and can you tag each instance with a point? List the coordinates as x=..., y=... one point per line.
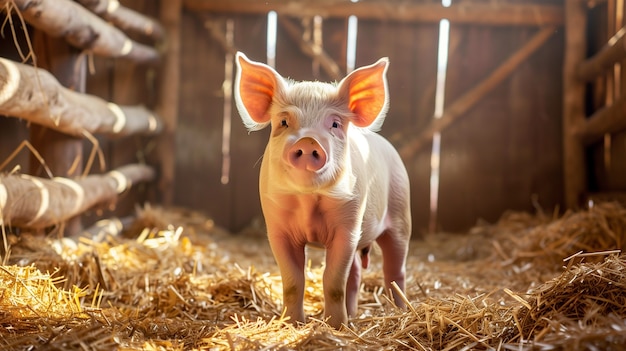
x=367, y=94
x=255, y=87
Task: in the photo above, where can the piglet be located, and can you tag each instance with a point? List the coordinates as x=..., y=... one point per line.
x=328, y=180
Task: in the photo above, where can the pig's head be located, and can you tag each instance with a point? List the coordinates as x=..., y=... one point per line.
x=311, y=122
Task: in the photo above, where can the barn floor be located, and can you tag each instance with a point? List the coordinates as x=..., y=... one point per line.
x=175, y=282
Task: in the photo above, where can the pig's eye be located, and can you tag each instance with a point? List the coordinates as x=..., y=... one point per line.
x=283, y=123
x=335, y=125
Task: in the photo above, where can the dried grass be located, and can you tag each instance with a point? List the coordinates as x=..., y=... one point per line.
x=175, y=282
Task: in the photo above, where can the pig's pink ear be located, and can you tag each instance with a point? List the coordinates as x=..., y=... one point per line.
x=366, y=90
x=255, y=86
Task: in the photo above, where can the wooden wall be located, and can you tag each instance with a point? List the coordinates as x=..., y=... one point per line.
x=507, y=149
x=502, y=154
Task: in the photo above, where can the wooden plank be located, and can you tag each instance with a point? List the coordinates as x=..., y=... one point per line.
x=81, y=28
x=574, y=173
x=608, y=120
x=606, y=164
x=613, y=52
x=36, y=96
x=198, y=140
x=469, y=99
x=474, y=12
x=167, y=107
x=308, y=48
x=506, y=152
x=246, y=148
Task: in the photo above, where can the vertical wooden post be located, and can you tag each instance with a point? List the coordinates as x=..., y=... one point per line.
x=62, y=153
x=167, y=105
x=574, y=169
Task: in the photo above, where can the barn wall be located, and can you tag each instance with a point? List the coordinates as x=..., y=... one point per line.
x=502, y=154
x=507, y=149
x=198, y=172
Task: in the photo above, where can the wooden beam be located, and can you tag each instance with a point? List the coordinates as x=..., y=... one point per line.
x=126, y=19
x=574, y=172
x=167, y=108
x=608, y=120
x=469, y=99
x=215, y=30
x=487, y=13
x=33, y=202
x=308, y=48
x=613, y=52
x=35, y=95
x=81, y=28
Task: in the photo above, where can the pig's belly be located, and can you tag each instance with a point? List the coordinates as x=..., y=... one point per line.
x=318, y=220
x=371, y=228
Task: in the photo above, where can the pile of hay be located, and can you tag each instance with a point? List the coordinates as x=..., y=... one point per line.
x=175, y=282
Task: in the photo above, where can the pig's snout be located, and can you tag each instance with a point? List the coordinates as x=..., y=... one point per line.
x=307, y=154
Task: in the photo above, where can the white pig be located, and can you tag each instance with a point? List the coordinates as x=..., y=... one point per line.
x=328, y=180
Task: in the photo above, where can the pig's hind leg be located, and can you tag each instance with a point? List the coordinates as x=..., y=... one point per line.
x=394, y=247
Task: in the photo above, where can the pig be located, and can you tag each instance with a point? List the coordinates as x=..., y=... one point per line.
x=328, y=180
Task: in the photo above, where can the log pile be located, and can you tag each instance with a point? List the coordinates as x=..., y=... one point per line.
x=64, y=115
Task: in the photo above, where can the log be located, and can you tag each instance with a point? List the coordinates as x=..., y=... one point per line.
x=574, y=174
x=610, y=119
x=613, y=52
x=37, y=203
x=34, y=95
x=81, y=28
x=126, y=19
x=467, y=12
x=469, y=99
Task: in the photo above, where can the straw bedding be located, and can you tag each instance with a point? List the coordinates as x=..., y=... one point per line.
x=174, y=281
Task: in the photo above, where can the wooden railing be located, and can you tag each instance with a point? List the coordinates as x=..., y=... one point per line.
x=579, y=130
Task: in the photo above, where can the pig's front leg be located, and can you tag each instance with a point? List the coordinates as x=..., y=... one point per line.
x=290, y=258
x=339, y=260
x=353, y=286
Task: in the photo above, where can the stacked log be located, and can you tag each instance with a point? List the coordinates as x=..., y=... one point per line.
x=35, y=95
